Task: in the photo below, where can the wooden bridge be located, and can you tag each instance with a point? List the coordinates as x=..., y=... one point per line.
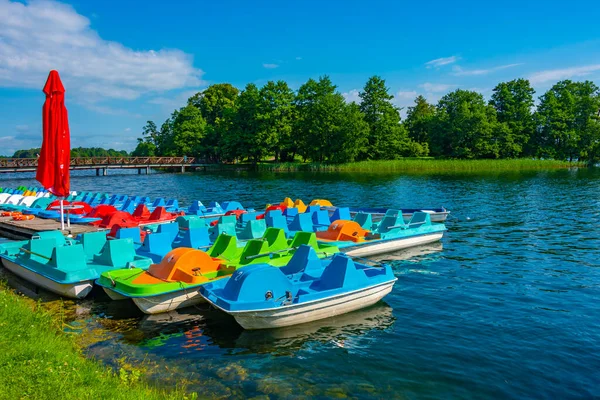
x=103, y=164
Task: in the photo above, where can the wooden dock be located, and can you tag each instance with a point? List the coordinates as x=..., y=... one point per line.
x=23, y=230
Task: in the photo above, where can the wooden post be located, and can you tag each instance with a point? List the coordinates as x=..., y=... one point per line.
x=139, y=171
x=182, y=168
x=97, y=171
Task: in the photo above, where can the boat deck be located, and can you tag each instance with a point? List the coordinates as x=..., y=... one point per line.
x=21, y=230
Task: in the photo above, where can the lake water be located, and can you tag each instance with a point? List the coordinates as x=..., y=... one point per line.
x=507, y=306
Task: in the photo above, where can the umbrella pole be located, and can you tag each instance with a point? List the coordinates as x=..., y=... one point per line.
x=62, y=215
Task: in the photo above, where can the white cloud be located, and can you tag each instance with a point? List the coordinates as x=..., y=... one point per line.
x=438, y=62
x=560, y=74
x=298, y=58
x=352, y=96
x=270, y=66
x=458, y=71
x=436, y=87
x=43, y=35
x=127, y=129
x=405, y=95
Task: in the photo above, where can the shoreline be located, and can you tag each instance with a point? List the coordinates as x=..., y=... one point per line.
x=39, y=360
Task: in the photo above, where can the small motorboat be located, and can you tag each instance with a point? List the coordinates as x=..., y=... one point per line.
x=68, y=268
x=306, y=289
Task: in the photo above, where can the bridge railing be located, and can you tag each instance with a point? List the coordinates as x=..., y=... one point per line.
x=83, y=161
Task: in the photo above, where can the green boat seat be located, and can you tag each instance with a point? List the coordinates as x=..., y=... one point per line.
x=224, y=247
x=254, y=248
x=307, y=238
x=276, y=239
x=93, y=243
x=116, y=253
x=68, y=258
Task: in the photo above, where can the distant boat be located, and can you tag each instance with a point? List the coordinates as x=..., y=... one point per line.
x=305, y=290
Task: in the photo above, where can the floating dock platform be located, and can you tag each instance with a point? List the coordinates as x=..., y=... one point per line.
x=23, y=230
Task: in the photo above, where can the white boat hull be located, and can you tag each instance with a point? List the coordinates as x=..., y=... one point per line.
x=76, y=290
x=312, y=311
x=388, y=246
x=114, y=295
x=168, y=301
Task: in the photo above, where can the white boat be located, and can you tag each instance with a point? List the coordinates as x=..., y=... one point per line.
x=76, y=290
x=390, y=245
x=168, y=302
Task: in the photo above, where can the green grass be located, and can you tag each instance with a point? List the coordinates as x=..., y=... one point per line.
x=38, y=360
x=425, y=165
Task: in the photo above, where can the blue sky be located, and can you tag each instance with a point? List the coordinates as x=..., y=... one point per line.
x=124, y=63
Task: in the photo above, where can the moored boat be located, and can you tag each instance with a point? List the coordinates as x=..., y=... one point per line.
x=305, y=290
x=389, y=235
x=66, y=267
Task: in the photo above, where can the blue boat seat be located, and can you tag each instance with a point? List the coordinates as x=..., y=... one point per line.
x=320, y=219
x=247, y=217
x=392, y=219
x=340, y=273
x=68, y=258
x=365, y=220
x=92, y=243
x=190, y=221
x=302, y=222
x=157, y=244
x=57, y=236
x=305, y=260
x=194, y=238
x=342, y=213
x=158, y=202
x=39, y=250
x=253, y=230
x=196, y=206
x=251, y=283
x=290, y=212
x=172, y=229
x=218, y=229
x=419, y=219
x=172, y=204
x=116, y=253
x=275, y=219
x=130, y=233
x=231, y=206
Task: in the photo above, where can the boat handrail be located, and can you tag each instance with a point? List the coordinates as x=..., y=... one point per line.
x=269, y=253
x=35, y=254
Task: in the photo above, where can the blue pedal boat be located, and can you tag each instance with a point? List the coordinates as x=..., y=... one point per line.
x=67, y=267
x=306, y=289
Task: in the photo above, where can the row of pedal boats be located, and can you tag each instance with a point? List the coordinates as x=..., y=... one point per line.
x=93, y=207
x=267, y=269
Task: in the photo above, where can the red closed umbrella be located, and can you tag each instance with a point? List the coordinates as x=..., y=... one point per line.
x=55, y=155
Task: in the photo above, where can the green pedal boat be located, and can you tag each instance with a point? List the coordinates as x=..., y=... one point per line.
x=173, y=283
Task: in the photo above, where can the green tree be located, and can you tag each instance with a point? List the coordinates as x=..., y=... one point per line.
x=513, y=102
x=217, y=107
x=188, y=131
x=567, y=120
x=276, y=114
x=465, y=127
x=418, y=121
x=243, y=137
x=319, y=107
x=352, y=137
x=388, y=138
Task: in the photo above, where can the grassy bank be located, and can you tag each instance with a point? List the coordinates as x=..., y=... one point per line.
x=39, y=361
x=424, y=165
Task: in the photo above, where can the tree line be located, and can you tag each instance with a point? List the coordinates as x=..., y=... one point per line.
x=316, y=123
x=75, y=152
